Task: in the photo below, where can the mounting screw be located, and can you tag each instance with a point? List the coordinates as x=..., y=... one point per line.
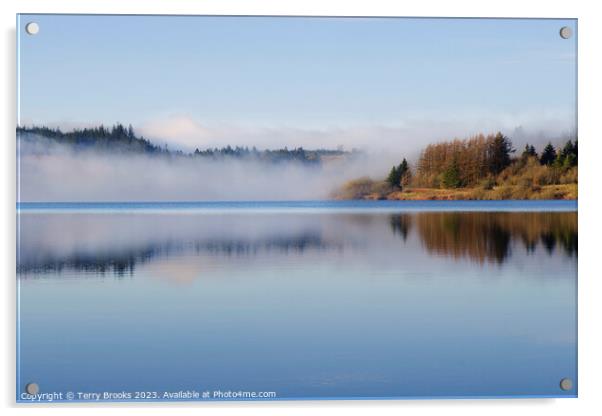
x=566, y=32
x=566, y=384
x=32, y=388
x=32, y=28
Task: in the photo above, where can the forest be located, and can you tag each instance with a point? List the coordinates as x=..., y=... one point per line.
x=121, y=139
x=480, y=167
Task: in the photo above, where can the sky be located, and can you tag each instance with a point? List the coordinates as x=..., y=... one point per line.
x=378, y=84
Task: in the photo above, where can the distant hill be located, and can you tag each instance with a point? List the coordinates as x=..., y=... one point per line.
x=121, y=139
x=115, y=139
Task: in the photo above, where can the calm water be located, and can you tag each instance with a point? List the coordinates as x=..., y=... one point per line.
x=307, y=300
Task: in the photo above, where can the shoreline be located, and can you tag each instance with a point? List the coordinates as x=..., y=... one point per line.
x=505, y=192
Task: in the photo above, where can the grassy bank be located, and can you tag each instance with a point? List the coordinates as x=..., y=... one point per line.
x=368, y=189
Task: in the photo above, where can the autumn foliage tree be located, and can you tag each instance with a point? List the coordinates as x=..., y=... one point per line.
x=483, y=167
x=474, y=159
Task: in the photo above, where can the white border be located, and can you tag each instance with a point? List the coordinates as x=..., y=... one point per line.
x=590, y=288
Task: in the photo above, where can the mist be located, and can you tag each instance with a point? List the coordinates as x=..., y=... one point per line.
x=50, y=172
x=406, y=137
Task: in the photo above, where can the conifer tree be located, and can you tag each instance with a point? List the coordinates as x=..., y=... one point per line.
x=568, y=156
x=405, y=175
x=499, y=153
x=548, y=156
x=529, y=151
x=394, y=177
x=450, y=178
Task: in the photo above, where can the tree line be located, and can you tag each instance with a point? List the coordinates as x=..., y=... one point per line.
x=550, y=156
x=463, y=162
x=119, y=138
x=469, y=162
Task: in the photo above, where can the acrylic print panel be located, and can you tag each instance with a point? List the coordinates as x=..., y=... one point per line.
x=277, y=208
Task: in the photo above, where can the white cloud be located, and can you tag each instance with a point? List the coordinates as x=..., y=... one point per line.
x=181, y=131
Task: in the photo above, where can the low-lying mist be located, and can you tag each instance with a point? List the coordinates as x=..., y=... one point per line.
x=52, y=172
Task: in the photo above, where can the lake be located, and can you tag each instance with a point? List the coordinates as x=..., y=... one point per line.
x=375, y=299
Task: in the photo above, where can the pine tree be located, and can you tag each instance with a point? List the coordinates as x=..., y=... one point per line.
x=568, y=155
x=403, y=167
x=394, y=177
x=405, y=175
x=548, y=156
x=450, y=178
x=529, y=152
x=499, y=153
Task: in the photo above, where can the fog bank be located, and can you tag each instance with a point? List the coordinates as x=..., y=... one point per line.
x=52, y=173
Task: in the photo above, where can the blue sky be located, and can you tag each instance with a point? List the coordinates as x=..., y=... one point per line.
x=199, y=81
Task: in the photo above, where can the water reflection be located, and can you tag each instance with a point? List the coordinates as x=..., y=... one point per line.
x=52, y=244
x=124, y=262
x=401, y=224
x=487, y=236
x=327, y=304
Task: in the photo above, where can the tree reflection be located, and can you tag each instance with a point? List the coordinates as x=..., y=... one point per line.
x=401, y=224
x=123, y=262
x=479, y=236
x=488, y=236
